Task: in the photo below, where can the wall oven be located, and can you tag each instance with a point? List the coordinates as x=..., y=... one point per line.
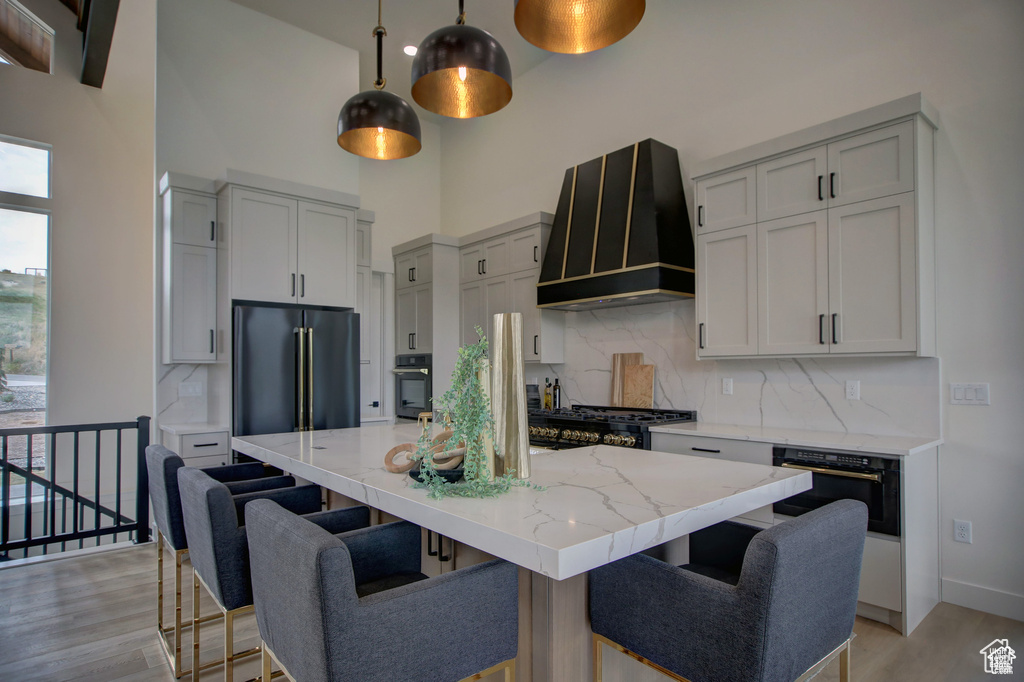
x=873, y=480
x=412, y=385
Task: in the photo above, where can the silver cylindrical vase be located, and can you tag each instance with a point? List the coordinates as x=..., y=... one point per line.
x=508, y=397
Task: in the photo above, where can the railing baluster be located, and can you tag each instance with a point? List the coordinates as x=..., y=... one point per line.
x=117, y=501
x=141, y=481
x=74, y=500
x=99, y=452
x=28, y=490
x=5, y=490
x=53, y=482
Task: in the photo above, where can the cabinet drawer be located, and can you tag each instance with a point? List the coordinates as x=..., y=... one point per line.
x=881, y=574
x=208, y=461
x=214, y=443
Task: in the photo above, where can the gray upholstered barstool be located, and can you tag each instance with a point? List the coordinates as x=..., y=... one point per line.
x=218, y=546
x=355, y=606
x=162, y=466
x=772, y=605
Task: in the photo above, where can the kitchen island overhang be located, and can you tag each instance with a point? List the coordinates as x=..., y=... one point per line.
x=599, y=503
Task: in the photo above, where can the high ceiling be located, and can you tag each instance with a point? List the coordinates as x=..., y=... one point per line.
x=408, y=22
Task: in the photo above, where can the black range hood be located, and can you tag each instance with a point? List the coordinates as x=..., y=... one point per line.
x=621, y=234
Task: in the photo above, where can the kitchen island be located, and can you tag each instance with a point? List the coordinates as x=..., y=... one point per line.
x=598, y=504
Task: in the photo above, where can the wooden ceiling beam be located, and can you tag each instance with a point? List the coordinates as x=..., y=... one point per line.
x=99, y=34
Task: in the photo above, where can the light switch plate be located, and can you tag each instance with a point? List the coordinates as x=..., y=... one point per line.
x=726, y=386
x=190, y=389
x=969, y=394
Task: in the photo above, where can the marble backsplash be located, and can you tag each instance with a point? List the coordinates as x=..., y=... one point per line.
x=899, y=396
x=174, y=409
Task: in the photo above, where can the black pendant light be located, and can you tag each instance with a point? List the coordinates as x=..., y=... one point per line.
x=577, y=26
x=377, y=124
x=461, y=71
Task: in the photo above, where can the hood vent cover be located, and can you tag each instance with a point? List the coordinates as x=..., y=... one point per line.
x=621, y=234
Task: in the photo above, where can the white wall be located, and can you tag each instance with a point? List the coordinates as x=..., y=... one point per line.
x=101, y=243
x=708, y=78
x=238, y=89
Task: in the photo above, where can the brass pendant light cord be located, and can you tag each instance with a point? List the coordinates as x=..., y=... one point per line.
x=379, y=32
x=461, y=21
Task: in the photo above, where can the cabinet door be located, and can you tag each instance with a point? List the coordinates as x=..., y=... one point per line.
x=193, y=218
x=327, y=255
x=727, y=200
x=423, y=266
x=499, y=300
x=792, y=185
x=403, y=270
x=792, y=285
x=471, y=263
x=496, y=257
x=472, y=312
x=875, y=164
x=363, y=286
x=524, y=300
x=727, y=292
x=413, y=268
x=193, y=304
x=405, y=321
x=872, y=276
x=423, y=337
x=264, y=247
x=525, y=250
x=363, y=244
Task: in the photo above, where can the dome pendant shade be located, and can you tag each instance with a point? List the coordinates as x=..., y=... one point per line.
x=462, y=72
x=577, y=26
x=379, y=125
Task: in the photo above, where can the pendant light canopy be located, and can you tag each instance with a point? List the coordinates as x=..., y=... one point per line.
x=577, y=26
x=461, y=71
x=377, y=124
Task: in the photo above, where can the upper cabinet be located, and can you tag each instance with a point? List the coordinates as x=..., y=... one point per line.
x=836, y=254
x=189, y=246
x=499, y=271
x=286, y=249
x=415, y=268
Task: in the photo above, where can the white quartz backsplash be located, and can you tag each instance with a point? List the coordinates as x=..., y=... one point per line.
x=173, y=408
x=899, y=396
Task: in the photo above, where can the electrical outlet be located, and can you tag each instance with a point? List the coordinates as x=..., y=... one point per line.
x=189, y=389
x=962, y=531
x=726, y=386
x=969, y=394
x=853, y=390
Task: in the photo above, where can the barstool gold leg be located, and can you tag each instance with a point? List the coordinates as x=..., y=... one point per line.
x=267, y=675
x=229, y=646
x=844, y=663
x=195, y=624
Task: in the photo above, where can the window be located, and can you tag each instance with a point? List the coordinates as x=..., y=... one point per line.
x=24, y=281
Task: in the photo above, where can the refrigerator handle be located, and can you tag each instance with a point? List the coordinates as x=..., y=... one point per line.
x=309, y=383
x=300, y=349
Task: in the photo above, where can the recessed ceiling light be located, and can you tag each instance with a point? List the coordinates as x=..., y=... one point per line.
x=410, y=50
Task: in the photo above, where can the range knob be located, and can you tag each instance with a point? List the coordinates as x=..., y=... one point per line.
x=617, y=440
x=607, y=439
x=629, y=441
x=576, y=435
x=533, y=430
x=566, y=434
x=593, y=437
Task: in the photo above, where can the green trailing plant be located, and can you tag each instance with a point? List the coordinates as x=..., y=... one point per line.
x=468, y=408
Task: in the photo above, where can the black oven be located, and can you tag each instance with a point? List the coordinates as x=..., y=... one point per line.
x=412, y=385
x=873, y=480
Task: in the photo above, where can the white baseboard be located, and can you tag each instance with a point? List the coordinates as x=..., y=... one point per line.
x=69, y=554
x=985, y=599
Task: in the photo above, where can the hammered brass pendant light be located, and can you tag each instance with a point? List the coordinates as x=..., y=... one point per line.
x=377, y=124
x=577, y=26
x=461, y=71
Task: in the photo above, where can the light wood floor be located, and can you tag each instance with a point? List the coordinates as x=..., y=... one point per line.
x=94, y=618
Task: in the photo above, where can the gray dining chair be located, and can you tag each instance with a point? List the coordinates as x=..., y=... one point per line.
x=355, y=607
x=772, y=605
x=162, y=467
x=218, y=547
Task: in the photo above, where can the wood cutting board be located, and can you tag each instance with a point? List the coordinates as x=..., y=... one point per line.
x=619, y=362
x=638, y=387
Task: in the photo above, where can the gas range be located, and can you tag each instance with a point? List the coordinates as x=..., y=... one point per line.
x=595, y=424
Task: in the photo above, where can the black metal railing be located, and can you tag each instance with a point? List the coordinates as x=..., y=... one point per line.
x=61, y=506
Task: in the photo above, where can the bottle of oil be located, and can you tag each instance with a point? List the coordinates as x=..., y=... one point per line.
x=547, y=393
x=556, y=395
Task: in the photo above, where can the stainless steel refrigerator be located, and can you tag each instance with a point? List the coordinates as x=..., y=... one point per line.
x=295, y=368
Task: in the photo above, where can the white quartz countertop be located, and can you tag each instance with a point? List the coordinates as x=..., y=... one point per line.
x=901, y=446
x=192, y=427
x=601, y=503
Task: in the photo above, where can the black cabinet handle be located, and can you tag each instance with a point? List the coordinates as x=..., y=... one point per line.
x=700, y=216
x=213, y=231
x=430, y=543
x=302, y=293
x=409, y=274
x=535, y=338
x=834, y=316
x=375, y=403
x=535, y=254
x=413, y=335
x=442, y=557
x=410, y=340
x=293, y=284
x=211, y=341
x=413, y=275
x=205, y=445
x=821, y=329
x=821, y=196
x=715, y=452
x=485, y=266
x=832, y=185
x=479, y=267
x=700, y=335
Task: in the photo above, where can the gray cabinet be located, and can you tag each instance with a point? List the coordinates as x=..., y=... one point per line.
x=189, y=287
x=843, y=237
